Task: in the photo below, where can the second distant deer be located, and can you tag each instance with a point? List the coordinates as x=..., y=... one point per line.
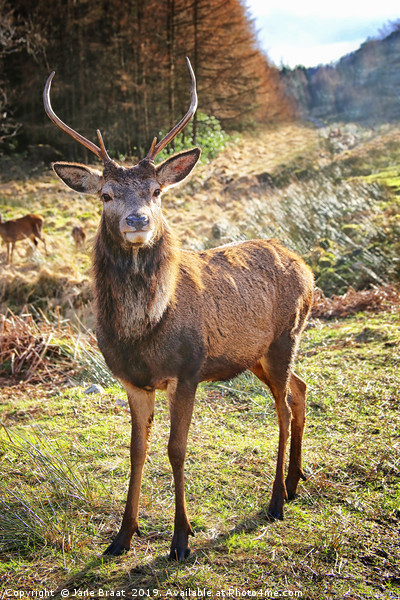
x=79, y=237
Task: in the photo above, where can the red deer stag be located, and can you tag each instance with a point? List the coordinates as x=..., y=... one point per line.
x=169, y=318
x=29, y=226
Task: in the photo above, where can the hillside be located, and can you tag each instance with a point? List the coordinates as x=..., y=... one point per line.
x=363, y=86
x=331, y=194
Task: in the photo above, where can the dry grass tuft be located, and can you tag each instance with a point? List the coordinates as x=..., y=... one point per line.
x=48, y=287
x=380, y=298
x=32, y=352
x=35, y=350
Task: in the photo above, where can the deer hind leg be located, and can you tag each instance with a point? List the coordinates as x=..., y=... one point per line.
x=181, y=398
x=274, y=369
x=141, y=404
x=38, y=233
x=297, y=401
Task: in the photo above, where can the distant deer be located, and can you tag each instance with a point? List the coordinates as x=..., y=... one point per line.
x=79, y=236
x=29, y=226
x=169, y=318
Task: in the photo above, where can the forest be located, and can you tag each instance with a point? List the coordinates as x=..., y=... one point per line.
x=120, y=67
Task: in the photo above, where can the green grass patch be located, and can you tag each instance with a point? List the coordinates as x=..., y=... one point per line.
x=64, y=461
x=389, y=176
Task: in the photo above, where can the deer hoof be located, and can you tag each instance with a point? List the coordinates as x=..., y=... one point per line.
x=179, y=547
x=179, y=554
x=116, y=548
x=275, y=512
x=275, y=516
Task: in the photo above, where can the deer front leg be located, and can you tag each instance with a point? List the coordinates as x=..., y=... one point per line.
x=141, y=404
x=181, y=397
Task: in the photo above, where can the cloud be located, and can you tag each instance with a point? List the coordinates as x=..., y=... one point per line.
x=312, y=32
x=349, y=9
x=311, y=56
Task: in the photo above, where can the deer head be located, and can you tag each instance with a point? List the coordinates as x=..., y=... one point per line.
x=131, y=196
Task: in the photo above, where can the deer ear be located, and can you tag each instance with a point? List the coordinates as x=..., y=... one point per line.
x=79, y=177
x=177, y=168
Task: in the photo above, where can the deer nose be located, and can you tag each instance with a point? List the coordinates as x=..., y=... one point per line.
x=137, y=221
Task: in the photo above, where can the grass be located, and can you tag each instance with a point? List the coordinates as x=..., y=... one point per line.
x=64, y=454
x=39, y=511
x=64, y=465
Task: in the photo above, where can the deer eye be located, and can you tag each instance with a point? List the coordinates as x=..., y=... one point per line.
x=106, y=197
x=157, y=192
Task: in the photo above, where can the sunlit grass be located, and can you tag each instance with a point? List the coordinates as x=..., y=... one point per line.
x=50, y=498
x=64, y=486
x=64, y=455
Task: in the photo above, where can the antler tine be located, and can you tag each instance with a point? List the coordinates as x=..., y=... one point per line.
x=156, y=148
x=104, y=156
x=100, y=152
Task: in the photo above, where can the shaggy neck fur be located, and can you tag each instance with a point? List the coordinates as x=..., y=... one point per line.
x=133, y=287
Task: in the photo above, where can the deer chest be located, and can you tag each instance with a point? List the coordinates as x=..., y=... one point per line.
x=158, y=357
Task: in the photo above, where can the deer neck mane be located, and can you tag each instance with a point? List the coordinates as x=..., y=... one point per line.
x=134, y=287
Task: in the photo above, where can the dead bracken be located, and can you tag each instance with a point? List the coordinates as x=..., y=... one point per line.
x=385, y=297
x=30, y=351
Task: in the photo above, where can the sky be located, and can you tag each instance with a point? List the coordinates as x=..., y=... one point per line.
x=313, y=32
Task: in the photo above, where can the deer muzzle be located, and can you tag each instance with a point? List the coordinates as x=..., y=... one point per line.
x=137, y=229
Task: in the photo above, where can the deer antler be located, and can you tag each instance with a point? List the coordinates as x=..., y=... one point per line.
x=100, y=152
x=156, y=148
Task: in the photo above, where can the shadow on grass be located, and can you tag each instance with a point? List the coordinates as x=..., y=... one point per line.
x=151, y=575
